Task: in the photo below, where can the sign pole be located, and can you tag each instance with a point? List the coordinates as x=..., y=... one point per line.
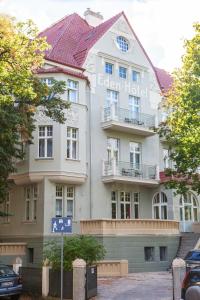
x=61, y=269
x=61, y=225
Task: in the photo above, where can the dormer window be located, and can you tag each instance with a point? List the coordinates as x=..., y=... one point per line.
x=122, y=44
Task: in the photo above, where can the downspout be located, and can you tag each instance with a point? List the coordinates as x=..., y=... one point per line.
x=90, y=150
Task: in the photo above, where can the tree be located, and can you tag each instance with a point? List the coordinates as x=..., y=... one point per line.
x=79, y=246
x=182, y=127
x=22, y=93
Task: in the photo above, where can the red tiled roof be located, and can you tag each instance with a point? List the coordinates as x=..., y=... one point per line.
x=72, y=37
x=164, y=78
x=61, y=70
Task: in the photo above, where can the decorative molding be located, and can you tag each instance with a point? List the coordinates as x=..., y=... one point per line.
x=122, y=26
x=12, y=249
x=64, y=177
x=72, y=116
x=41, y=117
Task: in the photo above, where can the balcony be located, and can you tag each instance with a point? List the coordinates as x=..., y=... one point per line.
x=129, y=227
x=126, y=172
x=124, y=120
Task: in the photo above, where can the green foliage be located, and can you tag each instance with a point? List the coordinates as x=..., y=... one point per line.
x=85, y=247
x=22, y=93
x=182, y=127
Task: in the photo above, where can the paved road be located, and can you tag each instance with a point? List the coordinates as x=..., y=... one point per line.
x=137, y=286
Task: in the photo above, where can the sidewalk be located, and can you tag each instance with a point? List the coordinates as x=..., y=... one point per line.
x=137, y=286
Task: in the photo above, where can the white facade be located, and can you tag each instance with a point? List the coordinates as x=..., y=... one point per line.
x=104, y=162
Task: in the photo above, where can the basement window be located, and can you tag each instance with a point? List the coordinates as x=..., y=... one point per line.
x=163, y=253
x=149, y=254
x=30, y=255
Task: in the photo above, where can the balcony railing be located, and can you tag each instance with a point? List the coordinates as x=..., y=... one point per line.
x=129, y=117
x=127, y=169
x=129, y=227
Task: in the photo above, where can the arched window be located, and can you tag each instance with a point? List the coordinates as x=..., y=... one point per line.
x=160, y=206
x=188, y=207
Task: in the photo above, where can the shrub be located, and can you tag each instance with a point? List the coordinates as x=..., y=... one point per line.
x=80, y=246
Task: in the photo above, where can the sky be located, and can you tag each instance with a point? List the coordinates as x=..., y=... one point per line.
x=161, y=25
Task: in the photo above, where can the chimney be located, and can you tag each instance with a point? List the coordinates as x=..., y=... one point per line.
x=93, y=18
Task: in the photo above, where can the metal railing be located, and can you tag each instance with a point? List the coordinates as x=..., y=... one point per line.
x=129, y=117
x=120, y=168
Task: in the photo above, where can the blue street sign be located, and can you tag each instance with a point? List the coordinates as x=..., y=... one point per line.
x=59, y=225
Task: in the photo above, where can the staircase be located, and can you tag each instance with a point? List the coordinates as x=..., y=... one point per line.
x=188, y=241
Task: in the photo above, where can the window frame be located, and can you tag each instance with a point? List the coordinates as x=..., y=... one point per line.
x=109, y=68
x=47, y=80
x=166, y=253
x=136, y=204
x=122, y=72
x=65, y=198
x=45, y=137
x=122, y=43
x=153, y=254
x=159, y=205
x=31, y=202
x=71, y=140
x=124, y=203
x=74, y=88
x=133, y=152
x=138, y=76
x=114, y=201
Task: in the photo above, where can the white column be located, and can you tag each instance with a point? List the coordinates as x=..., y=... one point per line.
x=45, y=281
x=79, y=270
x=179, y=269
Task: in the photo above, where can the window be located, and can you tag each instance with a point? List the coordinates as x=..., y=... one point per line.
x=160, y=206
x=122, y=72
x=113, y=149
x=112, y=98
x=135, y=76
x=122, y=44
x=59, y=201
x=65, y=197
x=72, y=90
x=108, y=68
x=135, y=155
x=163, y=253
x=48, y=81
x=114, y=204
x=136, y=198
x=35, y=197
x=149, y=253
x=72, y=143
x=30, y=255
x=134, y=107
x=45, y=141
x=166, y=159
x=70, y=202
x=188, y=208
x=6, y=208
x=31, y=198
x=125, y=205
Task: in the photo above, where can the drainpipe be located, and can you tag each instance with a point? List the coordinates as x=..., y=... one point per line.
x=90, y=151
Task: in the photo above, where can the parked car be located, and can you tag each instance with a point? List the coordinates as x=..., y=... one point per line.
x=10, y=282
x=192, y=259
x=192, y=277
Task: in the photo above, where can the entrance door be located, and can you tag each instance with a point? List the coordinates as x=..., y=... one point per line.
x=188, y=207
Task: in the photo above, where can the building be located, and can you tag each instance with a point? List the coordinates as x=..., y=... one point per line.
x=103, y=166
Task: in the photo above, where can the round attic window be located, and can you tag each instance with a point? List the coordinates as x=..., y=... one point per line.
x=122, y=44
